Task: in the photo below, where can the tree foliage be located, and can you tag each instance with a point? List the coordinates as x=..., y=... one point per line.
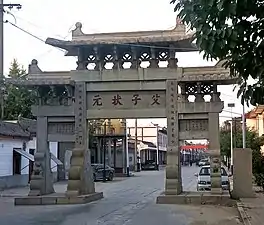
x=233, y=31
x=18, y=100
x=253, y=141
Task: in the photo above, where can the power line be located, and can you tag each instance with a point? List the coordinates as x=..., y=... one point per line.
x=42, y=28
x=25, y=31
x=30, y=34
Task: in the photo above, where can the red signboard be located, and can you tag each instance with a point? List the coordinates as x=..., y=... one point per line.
x=194, y=147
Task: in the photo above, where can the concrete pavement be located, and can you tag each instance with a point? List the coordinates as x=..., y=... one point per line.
x=127, y=201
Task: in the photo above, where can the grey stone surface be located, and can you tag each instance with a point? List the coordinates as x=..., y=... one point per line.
x=42, y=179
x=127, y=201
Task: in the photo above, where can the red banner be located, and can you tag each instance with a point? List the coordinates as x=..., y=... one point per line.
x=194, y=147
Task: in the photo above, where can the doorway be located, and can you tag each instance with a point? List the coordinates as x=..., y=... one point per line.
x=31, y=164
x=16, y=163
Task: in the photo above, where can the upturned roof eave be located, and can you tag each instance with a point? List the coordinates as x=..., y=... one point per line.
x=71, y=46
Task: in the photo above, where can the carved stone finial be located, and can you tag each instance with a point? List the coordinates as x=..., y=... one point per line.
x=178, y=21
x=78, y=30
x=33, y=67
x=34, y=62
x=180, y=25
x=78, y=25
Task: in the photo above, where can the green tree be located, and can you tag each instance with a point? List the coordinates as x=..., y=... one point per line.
x=18, y=100
x=253, y=141
x=232, y=31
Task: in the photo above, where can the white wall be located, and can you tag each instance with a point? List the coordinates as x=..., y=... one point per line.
x=54, y=150
x=6, y=155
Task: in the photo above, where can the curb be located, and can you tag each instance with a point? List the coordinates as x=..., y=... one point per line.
x=11, y=196
x=242, y=214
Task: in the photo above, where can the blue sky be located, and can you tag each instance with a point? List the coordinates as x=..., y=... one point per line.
x=56, y=18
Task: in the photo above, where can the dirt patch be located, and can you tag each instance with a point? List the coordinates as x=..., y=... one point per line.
x=211, y=215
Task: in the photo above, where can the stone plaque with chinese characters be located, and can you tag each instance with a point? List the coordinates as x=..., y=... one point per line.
x=61, y=128
x=194, y=125
x=126, y=100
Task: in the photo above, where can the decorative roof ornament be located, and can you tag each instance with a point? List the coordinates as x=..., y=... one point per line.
x=178, y=21
x=33, y=68
x=78, y=30
x=180, y=25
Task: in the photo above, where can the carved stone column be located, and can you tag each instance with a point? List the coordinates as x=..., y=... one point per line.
x=154, y=62
x=98, y=59
x=80, y=174
x=82, y=62
x=199, y=97
x=116, y=61
x=135, y=62
x=184, y=95
x=42, y=180
x=215, y=96
x=173, y=183
x=214, y=151
x=173, y=61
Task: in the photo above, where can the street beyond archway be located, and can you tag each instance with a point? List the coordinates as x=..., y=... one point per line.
x=127, y=201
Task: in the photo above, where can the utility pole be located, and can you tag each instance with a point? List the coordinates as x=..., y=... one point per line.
x=244, y=125
x=231, y=106
x=136, y=147
x=157, y=151
x=2, y=88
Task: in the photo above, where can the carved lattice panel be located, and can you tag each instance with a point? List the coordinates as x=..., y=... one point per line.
x=163, y=55
x=191, y=89
x=108, y=58
x=207, y=88
x=127, y=57
x=61, y=128
x=91, y=59
x=145, y=56
x=194, y=125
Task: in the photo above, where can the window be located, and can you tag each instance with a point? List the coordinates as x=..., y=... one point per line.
x=206, y=171
x=16, y=162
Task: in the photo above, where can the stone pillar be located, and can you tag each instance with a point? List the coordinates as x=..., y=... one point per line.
x=173, y=183
x=214, y=152
x=42, y=180
x=109, y=153
x=242, y=173
x=124, y=154
x=99, y=153
x=114, y=151
x=80, y=174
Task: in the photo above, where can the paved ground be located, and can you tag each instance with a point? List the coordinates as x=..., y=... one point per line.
x=127, y=201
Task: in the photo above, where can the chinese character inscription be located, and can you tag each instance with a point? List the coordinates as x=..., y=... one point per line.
x=126, y=100
x=136, y=99
x=116, y=100
x=97, y=100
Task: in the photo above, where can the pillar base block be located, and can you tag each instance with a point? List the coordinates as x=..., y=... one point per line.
x=197, y=198
x=58, y=199
x=80, y=180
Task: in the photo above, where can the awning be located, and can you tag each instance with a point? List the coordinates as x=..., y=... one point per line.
x=31, y=157
x=25, y=154
x=55, y=159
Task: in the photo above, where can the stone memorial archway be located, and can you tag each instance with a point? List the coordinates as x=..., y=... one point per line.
x=67, y=100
